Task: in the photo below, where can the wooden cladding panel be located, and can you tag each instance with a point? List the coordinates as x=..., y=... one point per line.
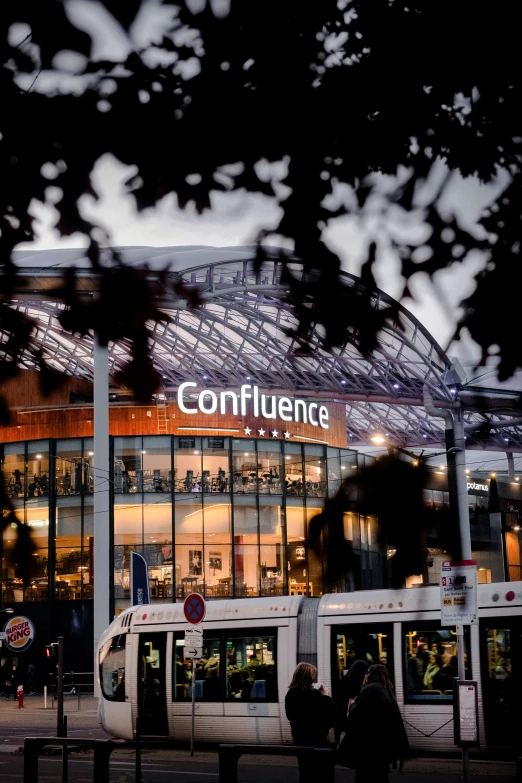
x=24, y=390
x=77, y=421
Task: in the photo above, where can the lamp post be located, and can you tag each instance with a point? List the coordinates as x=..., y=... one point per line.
x=458, y=489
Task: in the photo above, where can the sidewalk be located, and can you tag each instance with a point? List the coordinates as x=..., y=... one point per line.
x=34, y=720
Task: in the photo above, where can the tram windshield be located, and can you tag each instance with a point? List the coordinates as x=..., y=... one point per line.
x=112, y=668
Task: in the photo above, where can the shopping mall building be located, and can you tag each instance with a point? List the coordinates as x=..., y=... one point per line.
x=216, y=479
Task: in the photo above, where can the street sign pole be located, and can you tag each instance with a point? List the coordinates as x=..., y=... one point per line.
x=192, y=733
x=459, y=608
x=194, y=610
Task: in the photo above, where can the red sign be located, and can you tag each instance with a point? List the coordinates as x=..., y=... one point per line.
x=194, y=608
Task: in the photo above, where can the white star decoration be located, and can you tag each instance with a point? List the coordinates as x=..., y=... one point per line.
x=286, y=434
x=261, y=432
x=247, y=430
x=274, y=433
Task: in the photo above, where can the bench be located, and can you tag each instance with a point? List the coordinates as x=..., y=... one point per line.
x=229, y=756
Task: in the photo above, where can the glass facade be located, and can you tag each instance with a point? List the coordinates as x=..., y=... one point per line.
x=225, y=517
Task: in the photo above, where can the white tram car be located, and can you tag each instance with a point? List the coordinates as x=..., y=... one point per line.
x=251, y=647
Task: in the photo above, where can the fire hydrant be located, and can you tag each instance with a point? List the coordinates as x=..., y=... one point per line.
x=20, y=696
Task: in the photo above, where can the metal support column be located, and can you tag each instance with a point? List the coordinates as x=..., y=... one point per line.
x=101, y=569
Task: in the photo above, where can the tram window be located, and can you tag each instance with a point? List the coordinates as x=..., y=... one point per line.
x=112, y=668
x=363, y=642
x=498, y=645
x=251, y=666
x=430, y=662
x=208, y=684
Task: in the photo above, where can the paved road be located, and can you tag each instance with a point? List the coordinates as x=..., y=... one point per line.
x=156, y=769
x=176, y=766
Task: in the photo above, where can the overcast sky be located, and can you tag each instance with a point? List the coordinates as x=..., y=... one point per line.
x=236, y=218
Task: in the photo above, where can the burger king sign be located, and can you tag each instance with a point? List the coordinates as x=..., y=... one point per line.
x=18, y=633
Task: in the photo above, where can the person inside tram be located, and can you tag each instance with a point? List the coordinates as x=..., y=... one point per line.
x=212, y=686
x=434, y=666
x=449, y=671
x=151, y=690
x=415, y=672
x=119, y=686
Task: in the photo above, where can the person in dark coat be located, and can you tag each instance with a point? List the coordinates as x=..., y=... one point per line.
x=350, y=688
x=311, y=713
x=375, y=734
x=13, y=678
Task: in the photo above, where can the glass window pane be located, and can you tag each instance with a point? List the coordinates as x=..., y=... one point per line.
x=271, y=560
x=293, y=463
x=252, y=666
x=372, y=643
x=157, y=551
x=315, y=471
x=218, y=570
x=157, y=467
x=188, y=570
x=68, y=542
x=38, y=468
x=217, y=519
x=244, y=466
x=14, y=469
x=112, y=668
x=315, y=567
x=208, y=676
x=128, y=468
x=334, y=471
x=430, y=662
x=128, y=524
x=246, y=520
x=188, y=465
x=74, y=469
x=216, y=474
x=188, y=519
x=270, y=474
x=12, y=585
x=246, y=563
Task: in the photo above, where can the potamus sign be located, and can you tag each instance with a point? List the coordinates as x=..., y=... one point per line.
x=18, y=633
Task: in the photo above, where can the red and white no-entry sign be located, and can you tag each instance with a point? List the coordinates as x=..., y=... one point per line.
x=194, y=608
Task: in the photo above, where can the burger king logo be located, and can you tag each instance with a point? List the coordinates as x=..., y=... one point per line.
x=18, y=633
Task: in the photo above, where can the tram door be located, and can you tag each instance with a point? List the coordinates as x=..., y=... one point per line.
x=152, y=681
x=501, y=662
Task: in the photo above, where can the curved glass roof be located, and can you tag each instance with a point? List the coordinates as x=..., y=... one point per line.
x=240, y=333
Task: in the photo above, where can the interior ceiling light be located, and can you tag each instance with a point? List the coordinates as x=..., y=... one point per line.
x=378, y=439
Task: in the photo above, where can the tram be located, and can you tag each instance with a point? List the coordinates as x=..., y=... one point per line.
x=251, y=647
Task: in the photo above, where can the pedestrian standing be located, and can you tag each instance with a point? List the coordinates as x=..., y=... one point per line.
x=311, y=713
x=14, y=683
x=375, y=732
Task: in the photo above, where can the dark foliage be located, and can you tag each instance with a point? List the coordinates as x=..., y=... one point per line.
x=391, y=490
x=342, y=91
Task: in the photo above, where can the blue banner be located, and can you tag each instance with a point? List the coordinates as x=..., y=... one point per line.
x=140, y=592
